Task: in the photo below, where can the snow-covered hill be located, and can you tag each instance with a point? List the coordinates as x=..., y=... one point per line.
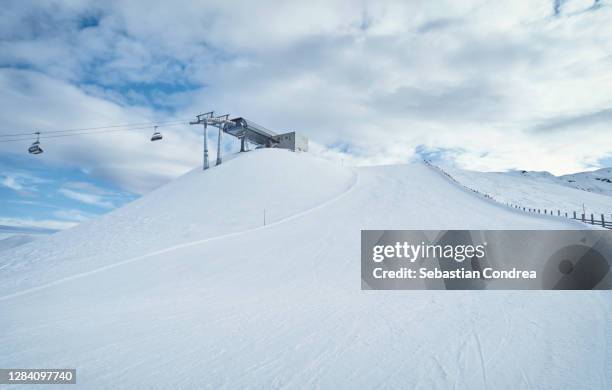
x=9, y=241
x=542, y=190
x=14, y=236
x=186, y=288
x=228, y=199
x=599, y=181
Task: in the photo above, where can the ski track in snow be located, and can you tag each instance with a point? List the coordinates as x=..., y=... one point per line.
x=185, y=245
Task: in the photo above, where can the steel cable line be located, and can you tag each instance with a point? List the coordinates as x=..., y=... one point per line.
x=93, y=132
x=149, y=124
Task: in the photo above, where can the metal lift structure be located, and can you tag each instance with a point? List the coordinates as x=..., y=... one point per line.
x=250, y=132
x=245, y=130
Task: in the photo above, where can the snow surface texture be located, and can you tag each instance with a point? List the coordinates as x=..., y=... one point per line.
x=8, y=241
x=599, y=181
x=186, y=288
x=542, y=190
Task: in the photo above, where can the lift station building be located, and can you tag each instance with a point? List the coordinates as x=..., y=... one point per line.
x=293, y=141
x=250, y=132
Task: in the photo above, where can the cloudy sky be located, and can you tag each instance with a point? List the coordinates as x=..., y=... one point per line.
x=485, y=85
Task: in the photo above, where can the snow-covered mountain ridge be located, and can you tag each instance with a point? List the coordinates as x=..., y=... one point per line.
x=599, y=181
x=587, y=192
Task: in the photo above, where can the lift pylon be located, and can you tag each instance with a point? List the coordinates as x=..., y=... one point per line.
x=219, y=122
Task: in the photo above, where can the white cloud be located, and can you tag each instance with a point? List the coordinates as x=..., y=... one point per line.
x=86, y=198
x=36, y=223
x=72, y=215
x=11, y=182
x=89, y=187
x=379, y=78
x=21, y=181
x=128, y=159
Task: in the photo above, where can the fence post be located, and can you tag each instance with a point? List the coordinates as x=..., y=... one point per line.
x=574, y=215
x=592, y=220
x=583, y=217
x=603, y=222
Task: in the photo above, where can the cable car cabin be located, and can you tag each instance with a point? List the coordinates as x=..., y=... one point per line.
x=156, y=134
x=35, y=148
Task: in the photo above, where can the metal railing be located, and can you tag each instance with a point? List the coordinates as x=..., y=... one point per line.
x=591, y=219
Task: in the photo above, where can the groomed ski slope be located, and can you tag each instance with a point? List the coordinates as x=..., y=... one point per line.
x=232, y=303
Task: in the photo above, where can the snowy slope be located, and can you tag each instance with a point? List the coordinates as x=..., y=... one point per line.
x=9, y=241
x=540, y=190
x=230, y=199
x=599, y=181
x=280, y=305
x=14, y=236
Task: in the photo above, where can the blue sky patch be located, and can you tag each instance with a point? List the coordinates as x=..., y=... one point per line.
x=89, y=21
x=436, y=155
x=52, y=197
